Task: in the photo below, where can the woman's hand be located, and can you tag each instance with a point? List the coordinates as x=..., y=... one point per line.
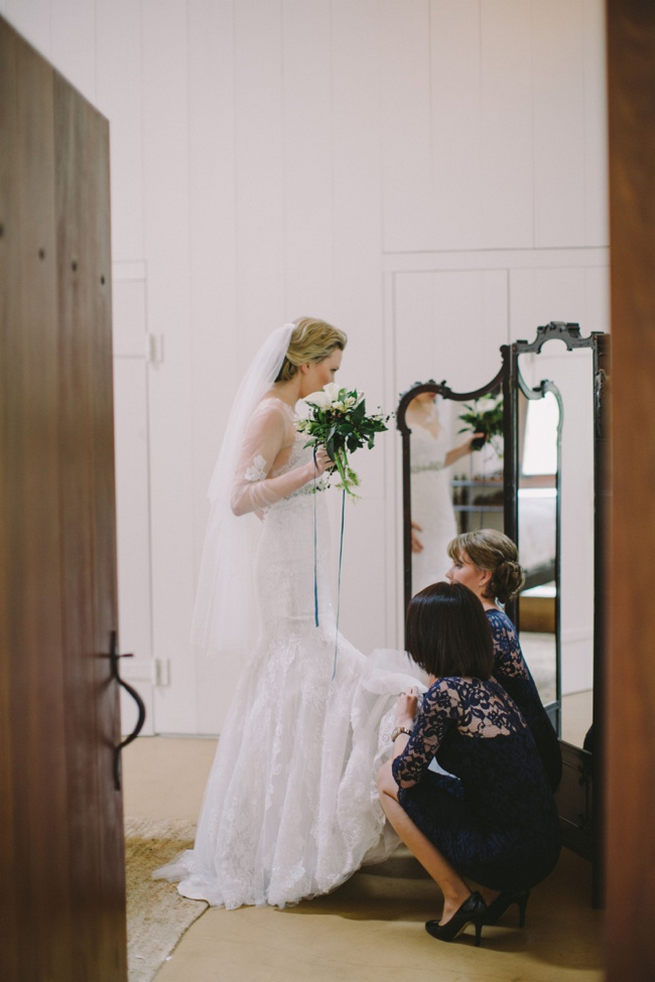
x=463, y=449
x=323, y=461
x=406, y=707
x=417, y=545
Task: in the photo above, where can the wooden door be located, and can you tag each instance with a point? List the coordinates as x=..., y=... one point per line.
x=61, y=836
x=630, y=689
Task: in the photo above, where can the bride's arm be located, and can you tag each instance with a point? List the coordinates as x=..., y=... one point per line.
x=253, y=489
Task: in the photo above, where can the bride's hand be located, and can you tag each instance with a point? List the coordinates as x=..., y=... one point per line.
x=323, y=460
x=406, y=707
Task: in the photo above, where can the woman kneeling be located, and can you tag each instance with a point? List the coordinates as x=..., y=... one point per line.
x=491, y=820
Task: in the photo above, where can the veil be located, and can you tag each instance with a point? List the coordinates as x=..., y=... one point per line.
x=225, y=614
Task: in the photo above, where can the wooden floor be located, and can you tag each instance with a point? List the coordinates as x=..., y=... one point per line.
x=371, y=929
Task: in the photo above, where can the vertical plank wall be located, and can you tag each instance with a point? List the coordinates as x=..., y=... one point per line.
x=429, y=174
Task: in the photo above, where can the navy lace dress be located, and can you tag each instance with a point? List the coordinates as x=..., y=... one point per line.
x=514, y=675
x=493, y=816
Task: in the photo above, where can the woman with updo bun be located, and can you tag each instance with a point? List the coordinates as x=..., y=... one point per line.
x=487, y=562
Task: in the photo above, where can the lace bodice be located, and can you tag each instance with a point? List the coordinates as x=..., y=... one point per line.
x=493, y=816
x=476, y=709
x=274, y=463
x=428, y=453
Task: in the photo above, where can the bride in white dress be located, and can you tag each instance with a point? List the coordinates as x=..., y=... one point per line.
x=291, y=808
x=433, y=517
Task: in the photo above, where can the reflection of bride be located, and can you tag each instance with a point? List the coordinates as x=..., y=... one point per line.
x=433, y=518
x=290, y=809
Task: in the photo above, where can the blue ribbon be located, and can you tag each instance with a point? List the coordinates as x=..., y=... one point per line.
x=343, y=521
x=315, y=542
x=336, y=630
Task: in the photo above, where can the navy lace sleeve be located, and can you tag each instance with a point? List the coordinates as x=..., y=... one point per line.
x=436, y=716
x=511, y=670
x=508, y=657
x=472, y=707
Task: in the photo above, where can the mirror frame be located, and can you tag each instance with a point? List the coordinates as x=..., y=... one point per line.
x=496, y=385
x=580, y=796
x=554, y=708
x=579, y=807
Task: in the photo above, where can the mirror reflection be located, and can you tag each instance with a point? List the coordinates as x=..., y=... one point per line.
x=456, y=477
x=460, y=476
x=557, y=485
x=539, y=420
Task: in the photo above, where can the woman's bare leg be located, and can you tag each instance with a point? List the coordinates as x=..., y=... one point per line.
x=454, y=889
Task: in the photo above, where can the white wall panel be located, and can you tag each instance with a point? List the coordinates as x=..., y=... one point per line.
x=564, y=293
x=388, y=164
x=32, y=19
x=358, y=308
x=120, y=98
x=406, y=123
x=595, y=125
x=133, y=516
x=457, y=136
x=132, y=487
x=559, y=123
x=259, y=171
x=73, y=43
x=449, y=326
x=307, y=148
x=357, y=191
x=166, y=204
x=129, y=313
x=506, y=165
x=212, y=266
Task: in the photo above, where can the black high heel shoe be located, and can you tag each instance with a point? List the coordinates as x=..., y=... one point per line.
x=472, y=911
x=503, y=901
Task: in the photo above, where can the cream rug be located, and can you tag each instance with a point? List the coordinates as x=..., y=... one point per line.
x=157, y=916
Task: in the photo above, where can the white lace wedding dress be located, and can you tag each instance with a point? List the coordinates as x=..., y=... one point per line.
x=432, y=507
x=291, y=808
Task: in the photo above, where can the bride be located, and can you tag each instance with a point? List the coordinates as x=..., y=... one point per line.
x=291, y=807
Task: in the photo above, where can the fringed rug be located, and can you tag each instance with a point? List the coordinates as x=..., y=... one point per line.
x=157, y=916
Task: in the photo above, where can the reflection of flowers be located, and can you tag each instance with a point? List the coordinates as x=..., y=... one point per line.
x=486, y=416
x=338, y=421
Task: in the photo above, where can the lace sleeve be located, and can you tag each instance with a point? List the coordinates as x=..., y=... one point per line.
x=267, y=434
x=508, y=657
x=511, y=670
x=437, y=715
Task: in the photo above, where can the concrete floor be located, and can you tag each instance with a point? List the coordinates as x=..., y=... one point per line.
x=369, y=930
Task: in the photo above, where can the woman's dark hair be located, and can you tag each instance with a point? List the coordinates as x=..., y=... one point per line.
x=448, y=632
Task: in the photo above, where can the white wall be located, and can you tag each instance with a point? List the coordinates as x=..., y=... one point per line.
x=428, y=174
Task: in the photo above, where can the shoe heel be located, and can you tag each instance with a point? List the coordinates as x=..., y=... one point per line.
x=478, y=931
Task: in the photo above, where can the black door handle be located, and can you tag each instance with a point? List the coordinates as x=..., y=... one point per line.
x=115, y=674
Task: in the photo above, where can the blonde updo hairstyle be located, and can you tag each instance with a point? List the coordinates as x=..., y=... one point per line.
x=491, y=550
x=312, y=340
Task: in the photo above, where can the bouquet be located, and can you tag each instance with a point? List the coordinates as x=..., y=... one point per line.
x=339, y=422
x=485, y=416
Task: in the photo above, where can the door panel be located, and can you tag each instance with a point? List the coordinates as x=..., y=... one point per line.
x=61, y=840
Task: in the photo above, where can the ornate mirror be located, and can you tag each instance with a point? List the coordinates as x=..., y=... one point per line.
x=556, y=461
x=453, y=471
x=541, y=479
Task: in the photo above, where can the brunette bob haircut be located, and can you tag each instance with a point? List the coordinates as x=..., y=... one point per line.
x=448, y=633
